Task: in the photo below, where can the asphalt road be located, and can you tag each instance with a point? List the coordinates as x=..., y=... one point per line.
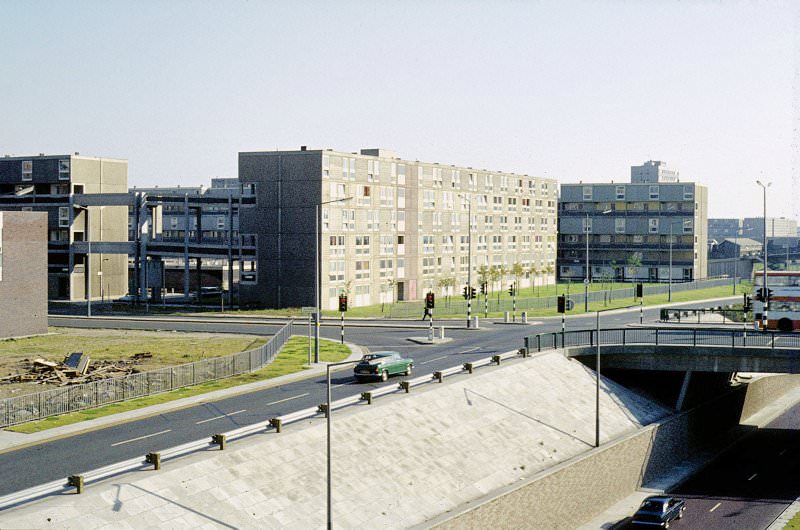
x=52, y=460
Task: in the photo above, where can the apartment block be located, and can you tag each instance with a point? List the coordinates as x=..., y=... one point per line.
x=753, y=227
x=390, y=229
x=720, y=229
x=67, y=187
x=23, y=273
x=653, y=171
x=629, y=228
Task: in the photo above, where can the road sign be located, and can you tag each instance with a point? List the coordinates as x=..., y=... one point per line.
x=570, y=304
x=308, y=310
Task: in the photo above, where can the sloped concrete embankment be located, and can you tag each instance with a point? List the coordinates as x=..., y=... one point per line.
x=571, y=493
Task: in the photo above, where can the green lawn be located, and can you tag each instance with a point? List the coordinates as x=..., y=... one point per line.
x=793, y=524
x=292, y=358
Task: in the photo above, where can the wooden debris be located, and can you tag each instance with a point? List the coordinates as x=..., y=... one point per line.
x=75, y=369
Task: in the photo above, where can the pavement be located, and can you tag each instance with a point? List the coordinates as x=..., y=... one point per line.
x=10, y=440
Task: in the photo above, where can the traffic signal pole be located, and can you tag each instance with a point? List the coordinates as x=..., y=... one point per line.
x=342, y=327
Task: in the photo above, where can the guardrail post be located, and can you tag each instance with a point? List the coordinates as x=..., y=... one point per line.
x=539, y=342
x=155, y=459
x=468, y=367
x=76, y=481
x=323, y=407
x=277, y=423
x=367, y=396
x=218, y=439
x=405, y=385
x=524, y=352
x=656, y=336
x=438, y=376
x=496, y=359
x=694, y=337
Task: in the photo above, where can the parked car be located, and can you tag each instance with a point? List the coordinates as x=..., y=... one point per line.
x=658, y=511
x=382, y=364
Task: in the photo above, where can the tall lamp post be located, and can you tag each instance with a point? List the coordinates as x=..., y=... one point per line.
x=469, y=258
x=766, y=254
x=328, y=422
x=318, y=270
x=586, y=279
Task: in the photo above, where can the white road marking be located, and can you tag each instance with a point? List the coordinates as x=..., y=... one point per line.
x=715, y=507
x=436, y=359
x=471, y=349
x=287, y=399
x=342, y=384
x=141, y=438
x=220, y=417
x=754, y=476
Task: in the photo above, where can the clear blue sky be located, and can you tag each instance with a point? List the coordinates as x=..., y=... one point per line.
x=571, y=90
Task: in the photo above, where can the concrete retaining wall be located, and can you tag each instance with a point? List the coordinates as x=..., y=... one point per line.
x=575, y=491
x=762, y=391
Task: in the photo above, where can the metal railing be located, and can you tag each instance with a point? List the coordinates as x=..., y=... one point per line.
x=77, y=483
x=73, y=398
x=456, y=304
x=738, y=338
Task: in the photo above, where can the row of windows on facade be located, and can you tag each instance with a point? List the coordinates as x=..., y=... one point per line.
x=653, y=225
x=26, y=173
x=397, y=175
x=175, y=222
x=430, y=265
x=653, y=193
x=640, y=206
x=646, y=257
x=397, y=221
x=363, y=244
x=628, y=238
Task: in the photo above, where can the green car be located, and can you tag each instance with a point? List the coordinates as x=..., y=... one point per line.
x=382, y=364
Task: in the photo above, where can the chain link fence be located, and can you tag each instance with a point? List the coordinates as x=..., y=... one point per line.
x=479, y=304
x=97, y=393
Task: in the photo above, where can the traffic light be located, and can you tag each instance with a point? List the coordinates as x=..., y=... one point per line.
x=483, y=288
x=639, y=290
x=747, y=305
x=472, y=292
x=465, y=293
x=562, y=304
x=511, y=289
x=342, y=303
x=430, y=300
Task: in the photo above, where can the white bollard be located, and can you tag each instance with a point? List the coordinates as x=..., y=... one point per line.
x=475, y=323
x=430, y=334
x=441, y=332
x=506, y=317
x=524, y=317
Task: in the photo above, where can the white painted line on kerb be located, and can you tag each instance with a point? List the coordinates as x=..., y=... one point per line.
x=220, y=417
x=715, y=507
x=141, y=438
x=287, y=399
x=754, y=476
x=436, y=359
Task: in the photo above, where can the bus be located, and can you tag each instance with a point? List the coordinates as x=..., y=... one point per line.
x=784, y=300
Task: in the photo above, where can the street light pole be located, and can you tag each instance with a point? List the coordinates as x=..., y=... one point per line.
x=766, y=254
x=597, y=388
x=586, y=276
x=328, y=422
x=669, y=287
x=318, y=269
x=469, y=261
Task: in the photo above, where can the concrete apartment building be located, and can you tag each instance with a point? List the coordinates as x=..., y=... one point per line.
x=625, y=220
x=753, y=227
x=65, y=187
x=720, y=229
x=402, y=229
x=653, y=171
x=23, y=273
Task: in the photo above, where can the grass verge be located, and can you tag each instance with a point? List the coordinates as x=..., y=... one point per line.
x=292, y=358
x=793, y=524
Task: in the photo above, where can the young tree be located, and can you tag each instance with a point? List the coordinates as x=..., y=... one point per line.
x=634, y=263
x=534, y=272
x=517, y=270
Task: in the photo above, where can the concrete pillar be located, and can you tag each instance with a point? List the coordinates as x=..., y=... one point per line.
x=684, y=388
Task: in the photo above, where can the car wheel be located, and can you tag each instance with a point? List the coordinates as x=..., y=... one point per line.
x=409, y=368
x=680, y=512
x=666, y=524
x=384, y=376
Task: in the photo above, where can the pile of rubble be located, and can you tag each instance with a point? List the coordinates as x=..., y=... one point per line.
x=74, y=369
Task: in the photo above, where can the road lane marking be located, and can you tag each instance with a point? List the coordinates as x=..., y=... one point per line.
x=141, y=438
x=342, y=384
x=754, y=476
x=220, y=417
x=471, y=349
x=715, y=507
x=287, y=399
x=436, y=359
